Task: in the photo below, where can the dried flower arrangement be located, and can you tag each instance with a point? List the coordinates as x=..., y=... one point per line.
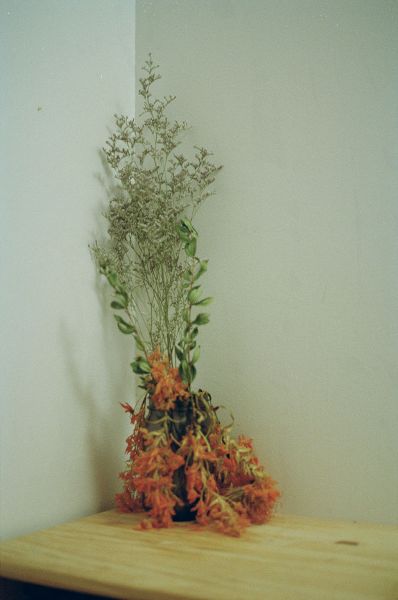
x=183, y=464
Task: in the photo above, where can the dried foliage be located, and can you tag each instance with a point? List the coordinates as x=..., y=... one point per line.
x=181, y=460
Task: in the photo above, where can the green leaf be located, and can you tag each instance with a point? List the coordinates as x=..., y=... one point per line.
x=123, y=326
x=139, y=343
x=196, y=354
x=204, y=302
x=194, y=294
x=117, y=306
x=190, y=345
x=186, y=372
x=202, y=269
x=122, y=297
x=140, y=366
x=185, y=315
x=192, y=372
x=112, y=278
x=184, y=235
x=190, y=247
x=187, y=224
x=144, y=365
x=136, y=368
x=186, y=230
x=126, y=330
x=202, y=319
x=179, y=353
x=194, y=332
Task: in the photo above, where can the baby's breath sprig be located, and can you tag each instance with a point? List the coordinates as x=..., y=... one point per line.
x=157, y=187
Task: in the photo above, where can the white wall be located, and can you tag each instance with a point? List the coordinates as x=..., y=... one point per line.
x=298, y=101
x=68, y=66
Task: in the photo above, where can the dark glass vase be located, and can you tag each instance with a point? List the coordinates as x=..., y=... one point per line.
x=181, y=418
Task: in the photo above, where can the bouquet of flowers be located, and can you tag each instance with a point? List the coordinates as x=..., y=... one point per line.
x=183, y=464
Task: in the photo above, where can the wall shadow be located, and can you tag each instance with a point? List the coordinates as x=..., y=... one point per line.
x=106, y=423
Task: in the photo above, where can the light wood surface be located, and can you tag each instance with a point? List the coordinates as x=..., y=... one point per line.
x=291, y=558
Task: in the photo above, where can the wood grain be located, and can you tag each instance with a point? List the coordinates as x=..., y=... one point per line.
x=291, y=558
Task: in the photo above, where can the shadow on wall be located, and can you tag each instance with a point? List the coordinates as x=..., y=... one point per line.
x=104, y=419
x=105, y=422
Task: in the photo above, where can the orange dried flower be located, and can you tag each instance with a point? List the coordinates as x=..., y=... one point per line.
x=127, y=407
x=125, y=502
x=195, y=447
x=259, y=499
x=152, y=476
x=194, y=482
x=224, y=482
x=167, y=384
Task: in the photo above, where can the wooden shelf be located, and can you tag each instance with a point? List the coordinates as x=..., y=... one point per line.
x=291, y=558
